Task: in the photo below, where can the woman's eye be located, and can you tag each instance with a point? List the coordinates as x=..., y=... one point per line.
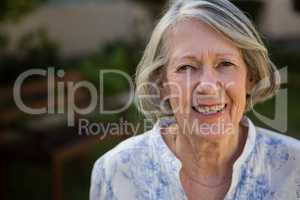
x=226, y=64
x=185, y=68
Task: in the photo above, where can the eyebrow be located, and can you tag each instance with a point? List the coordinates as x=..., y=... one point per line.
x=192, y=57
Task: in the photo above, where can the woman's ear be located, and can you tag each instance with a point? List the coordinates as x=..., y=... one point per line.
x=164, y=89
x=250, y=83
x=162, y=84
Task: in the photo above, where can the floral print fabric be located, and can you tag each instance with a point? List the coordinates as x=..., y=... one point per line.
x=144, y=168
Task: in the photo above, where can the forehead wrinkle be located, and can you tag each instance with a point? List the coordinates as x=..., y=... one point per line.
x=177, y=52
x=200, y=57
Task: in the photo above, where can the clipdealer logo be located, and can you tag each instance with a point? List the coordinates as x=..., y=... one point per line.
x=96, y=97
x=58, y=90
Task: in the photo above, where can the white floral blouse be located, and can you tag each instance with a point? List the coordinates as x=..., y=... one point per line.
x=144, y=168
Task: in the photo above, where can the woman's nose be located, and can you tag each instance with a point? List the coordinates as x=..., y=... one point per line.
x=208, y=83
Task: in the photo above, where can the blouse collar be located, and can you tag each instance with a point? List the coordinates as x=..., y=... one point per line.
x=167, y=156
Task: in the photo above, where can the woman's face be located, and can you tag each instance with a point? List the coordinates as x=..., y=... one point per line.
x=206, y=80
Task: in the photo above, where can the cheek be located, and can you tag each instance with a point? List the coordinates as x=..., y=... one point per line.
x=180, y=91
x=236, y=91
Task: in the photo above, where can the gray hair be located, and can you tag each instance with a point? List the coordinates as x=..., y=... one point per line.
x=226, y=19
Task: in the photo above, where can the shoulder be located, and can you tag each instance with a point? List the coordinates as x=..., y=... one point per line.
x=119, y=165
x=280, y=155
x=272, y=138
x=123, y=154
x=277, y=150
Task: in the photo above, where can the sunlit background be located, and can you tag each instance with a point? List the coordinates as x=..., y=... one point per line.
x=43, y=158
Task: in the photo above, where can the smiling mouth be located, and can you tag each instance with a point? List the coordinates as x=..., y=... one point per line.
x=209, y=110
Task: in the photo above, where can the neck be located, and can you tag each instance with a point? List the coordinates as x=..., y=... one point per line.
x=209, y=158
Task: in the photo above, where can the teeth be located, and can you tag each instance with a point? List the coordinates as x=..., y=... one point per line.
x=210, y=109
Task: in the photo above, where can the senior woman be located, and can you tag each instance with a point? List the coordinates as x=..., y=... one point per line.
x=204, y=67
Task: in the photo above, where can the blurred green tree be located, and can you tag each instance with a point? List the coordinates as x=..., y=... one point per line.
x=33, y=49
x=15, y=9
